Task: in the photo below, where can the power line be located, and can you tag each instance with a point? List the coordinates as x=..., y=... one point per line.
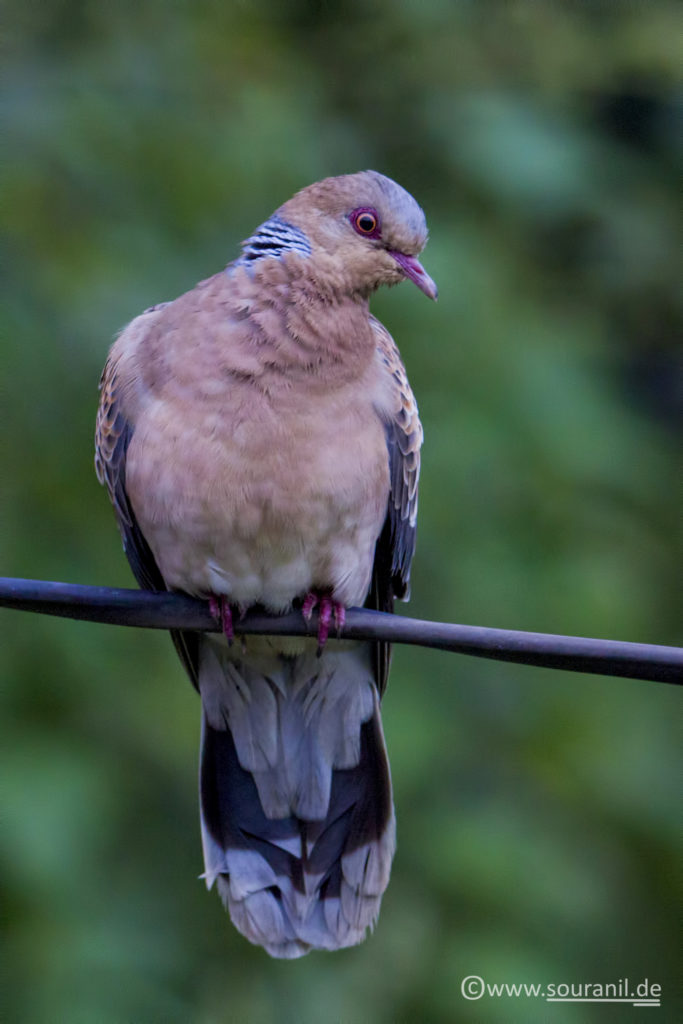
x=178, y=611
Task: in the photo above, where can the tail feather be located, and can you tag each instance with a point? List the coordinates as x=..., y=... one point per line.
x=300, y=864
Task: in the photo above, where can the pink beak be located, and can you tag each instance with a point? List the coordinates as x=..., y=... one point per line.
x=413, y=269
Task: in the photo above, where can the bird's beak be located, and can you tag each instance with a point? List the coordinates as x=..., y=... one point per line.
x=413, y=269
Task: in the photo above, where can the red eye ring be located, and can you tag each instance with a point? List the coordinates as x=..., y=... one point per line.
x=365, y=221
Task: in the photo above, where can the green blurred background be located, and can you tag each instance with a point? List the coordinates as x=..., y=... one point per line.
x=537, y=810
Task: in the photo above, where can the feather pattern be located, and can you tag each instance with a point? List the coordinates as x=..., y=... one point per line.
x=297, y=819
x=404, y=440
x=113, y=432
x=274, y=238
x=259, y=441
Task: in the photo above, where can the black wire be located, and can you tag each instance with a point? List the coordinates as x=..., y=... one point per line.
x=177, y=611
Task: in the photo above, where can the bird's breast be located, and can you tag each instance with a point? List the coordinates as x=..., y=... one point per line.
x=260, y=500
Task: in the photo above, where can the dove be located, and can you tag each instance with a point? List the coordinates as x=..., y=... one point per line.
x=260, y=445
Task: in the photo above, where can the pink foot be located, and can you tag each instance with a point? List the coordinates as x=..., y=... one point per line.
x=339, y=617
x=221, y=610
x=329, y=610
x=310, y=601
x=324, y=621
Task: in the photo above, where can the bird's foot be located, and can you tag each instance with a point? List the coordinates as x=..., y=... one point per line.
x=329, y=610
x=219, y=606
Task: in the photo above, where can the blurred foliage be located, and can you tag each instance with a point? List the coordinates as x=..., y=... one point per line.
x=537, y=810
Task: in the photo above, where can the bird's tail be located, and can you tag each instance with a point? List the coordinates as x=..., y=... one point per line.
x=297, y=816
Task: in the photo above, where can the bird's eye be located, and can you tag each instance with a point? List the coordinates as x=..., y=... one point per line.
x=366, y=222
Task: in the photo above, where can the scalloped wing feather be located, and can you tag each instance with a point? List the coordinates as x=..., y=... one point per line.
x=113, y=432
x=396, y=544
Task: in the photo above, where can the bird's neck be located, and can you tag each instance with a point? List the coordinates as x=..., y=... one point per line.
x=308, y=318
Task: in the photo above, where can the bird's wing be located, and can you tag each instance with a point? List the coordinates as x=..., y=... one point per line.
x=396, y=544
x=113, y=433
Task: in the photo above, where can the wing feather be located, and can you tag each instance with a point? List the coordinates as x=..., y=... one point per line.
x=396, y=544
x=113, y=433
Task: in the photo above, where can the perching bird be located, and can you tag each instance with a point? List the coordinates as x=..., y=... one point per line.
x=260, y=444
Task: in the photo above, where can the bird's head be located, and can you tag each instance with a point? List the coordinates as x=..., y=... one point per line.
x=364, y=228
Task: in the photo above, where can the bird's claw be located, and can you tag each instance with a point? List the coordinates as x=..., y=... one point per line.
x=222, y=612
x=309, y=603
x=339, y=617
x=329, y=610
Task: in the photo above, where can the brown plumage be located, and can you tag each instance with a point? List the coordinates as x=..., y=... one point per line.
x=260, y=443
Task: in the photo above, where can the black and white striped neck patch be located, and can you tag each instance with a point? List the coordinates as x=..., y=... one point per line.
x=274, y=238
